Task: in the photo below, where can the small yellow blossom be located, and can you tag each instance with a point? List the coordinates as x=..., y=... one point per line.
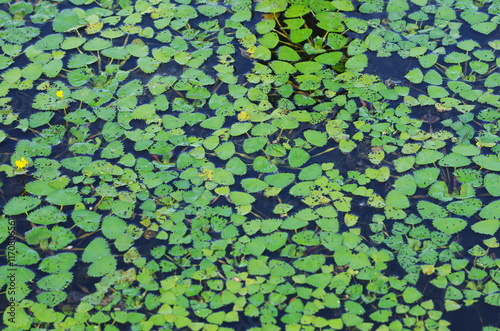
x=207, y=174
x=60, y=94
x=243, y=116
x=21, y=163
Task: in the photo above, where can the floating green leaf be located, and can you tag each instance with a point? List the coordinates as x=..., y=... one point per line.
x=254, y=144
x=316, y=138
x=19, y=205
x=425, y=177
x=280, y=180
x=66, y=20
x=492, y=184
x=306, y=238
x=449, y=225
x=297, y=157
x=406, y=185
x=466, y=207
x=225, y=150
x=86, y=219
x=95, y=250
x=52, y=298
x=253, y=185
x=104, y=265
x=55, y=282
x=311, y=263
x=493, y=299
x=241, y=198
x=396, y=199
x=429, y=210
x=415, y=76
x=456, y=57
x=490, y=161
x=271, y=6
x=46, y=215
x=411, y=294
x=302, y=189
x=25, y=255
x=489, y=227
x=236, y=166
x=258, y=267
x=491, y=210
x=65, y=197
x=183, y=124
x=261, y=164
x=454, y=160
x=58, y=263
x=493, y=80
x=357, y=62
x=484, y=27
x=404, y=163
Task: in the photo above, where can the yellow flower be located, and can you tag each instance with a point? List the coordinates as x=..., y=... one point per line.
x=243, y=116
x=208, y=174
x=21, y=163
x=60, y=94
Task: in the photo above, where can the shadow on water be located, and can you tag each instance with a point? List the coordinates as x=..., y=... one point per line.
x=472, y=318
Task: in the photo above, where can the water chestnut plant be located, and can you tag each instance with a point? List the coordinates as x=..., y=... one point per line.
x=249, y=165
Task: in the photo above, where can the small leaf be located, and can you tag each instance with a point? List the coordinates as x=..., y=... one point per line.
x=253, y=185
x=454, y=160
x=55, y=282
x=261, y=164
x=66, y=20
x=425, y=177
x=280, y=180
x=211, y=10
x=311, y=263
x=489, y=161
x=429, y=210
x=95, y=250
x=466, y=207
x=491, y=210
x=254, y=144
x=404, y=163
x=306, y=238
x=46, y=215
x=450, y=225
x=271, y=6
x=493, y=299
x=489, y=227
x=415, y=76
x=52, y=298
x=102, y=266
x=406, y=185
x=87, y=220
x=58, y=263
x=492, y=184
x=397, y=199
x=411, y=295
x=357, y=62
x=484, y=27
x=316, y=138
x=241, y=198
x=25, y=255
x=65, y=197
x=297, y=157
x=19, y=205
x=257, y=267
